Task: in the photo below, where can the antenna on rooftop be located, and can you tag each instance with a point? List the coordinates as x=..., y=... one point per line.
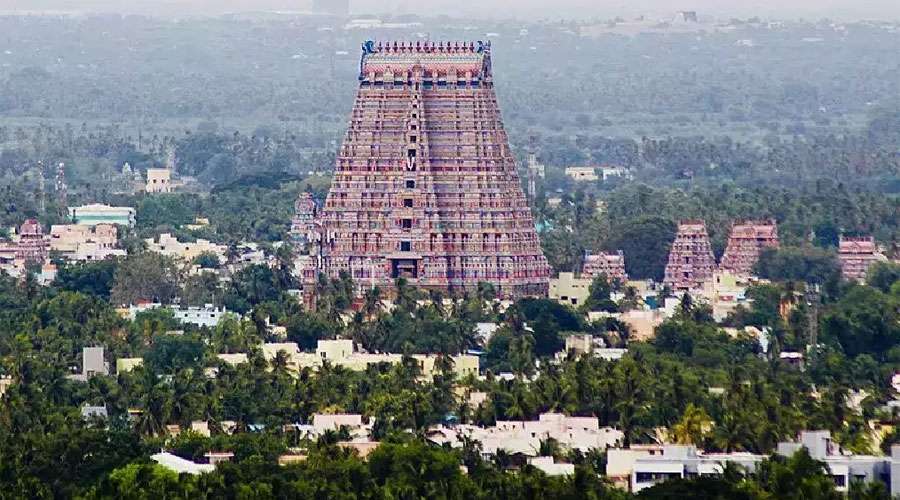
x=43, y=194
x=62, y=190
x=812, y=301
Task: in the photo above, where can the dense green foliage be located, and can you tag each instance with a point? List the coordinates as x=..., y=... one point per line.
x=661, y=384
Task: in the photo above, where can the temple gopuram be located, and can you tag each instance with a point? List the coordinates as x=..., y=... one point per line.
x=691, y=260
x=856, y=255
x=33, y=246
x=304, y=220
x=425, y=185
x=747, y=240
x=610, y=264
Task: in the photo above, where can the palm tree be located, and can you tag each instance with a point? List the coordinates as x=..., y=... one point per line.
x=550, y=447
x=729, y=432
x=629, y=393
x=519, y=406
x=693, y=426
x=280, y=364
x=327, y=438
x=404, y=295
x=502, y=459
x=156, y=408
x=371, y=302
x=521, y=354
x=186, y=395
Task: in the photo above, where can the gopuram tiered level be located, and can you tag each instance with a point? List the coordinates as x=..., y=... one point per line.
x=425, y=185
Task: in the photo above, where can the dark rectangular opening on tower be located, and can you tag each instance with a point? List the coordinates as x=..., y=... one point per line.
x=404, y=268
x=405, y=246
x=406, y=223
x=410, y=184
x=407, y=202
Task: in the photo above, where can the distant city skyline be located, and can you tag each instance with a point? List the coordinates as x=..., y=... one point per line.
x=523, y=9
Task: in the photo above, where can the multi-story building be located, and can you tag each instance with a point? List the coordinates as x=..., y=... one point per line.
x=208, y=315
x=588, y=345
x=159, y=180
x=724, y=293
x=610, y=264
x=856, y=255
x=609, y=171
x=747, y=240
x=93, y=363
x=90, y=215
x=691, y=260
x=342, y=353
x=425, y=186
x=657, y=464
x=524, y=437
x=169, y=245
x=568, y=289
x=582, y=174
x=85, y=243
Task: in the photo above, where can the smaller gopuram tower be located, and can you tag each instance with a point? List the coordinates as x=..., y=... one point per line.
x=747, y=240
x=691, y=260
x=610, y=264
x=33, y=246
x=856, y=255
x=303, y=222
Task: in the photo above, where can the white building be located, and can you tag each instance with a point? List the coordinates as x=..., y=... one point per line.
x=582, y=174
x=358, y=427
x=97, y=213
x=341, y=352
x=652, y=466
x=322, y=423
x=608, y=171
x=92, y=363
x=80, y=242
x=524, y=437
x=170, y=246
x=485, y=331
x=549, y=467
x=684, y=461
x=208, y=315
x=588, y=345
x=179, y=465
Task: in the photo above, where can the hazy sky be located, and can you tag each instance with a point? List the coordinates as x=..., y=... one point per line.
x=811, y=9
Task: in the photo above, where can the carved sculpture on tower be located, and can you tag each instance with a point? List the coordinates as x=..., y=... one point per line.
x=691, y=260
x=425, y=185
x=747, y=240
